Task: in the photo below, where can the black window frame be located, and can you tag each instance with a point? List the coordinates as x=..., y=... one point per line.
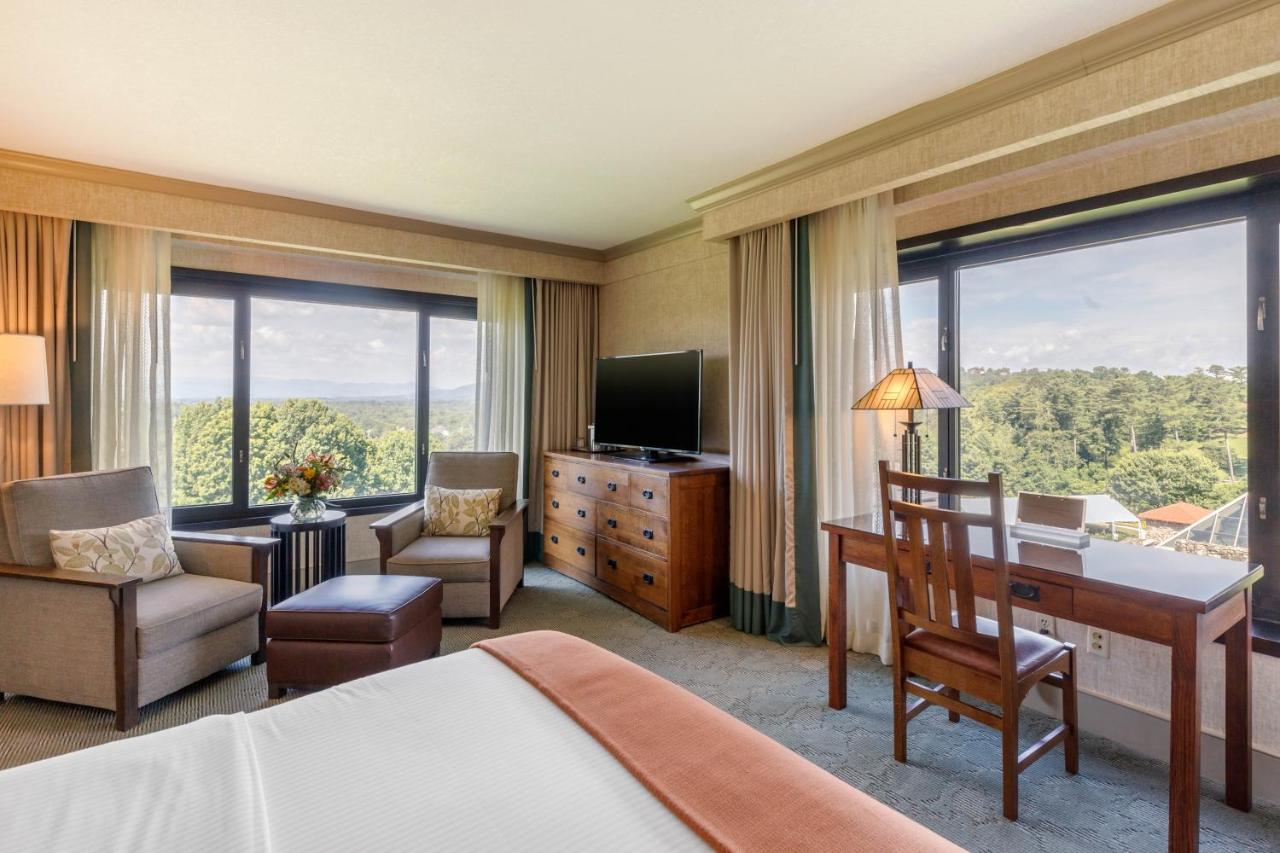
x=1248, y=193
x=240, y=288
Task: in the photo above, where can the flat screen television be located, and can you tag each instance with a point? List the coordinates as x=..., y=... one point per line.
x=650, y=402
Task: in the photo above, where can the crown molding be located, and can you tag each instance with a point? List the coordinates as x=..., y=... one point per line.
x=1161, y=26
x=657, y=238
x=77, y=171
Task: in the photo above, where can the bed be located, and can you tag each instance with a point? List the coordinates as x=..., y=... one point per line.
x=536, y=741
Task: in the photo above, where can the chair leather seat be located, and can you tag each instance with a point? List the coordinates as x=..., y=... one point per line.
x=180, y=608
x=453, y=559
x=357, y=609
x=1030, y=650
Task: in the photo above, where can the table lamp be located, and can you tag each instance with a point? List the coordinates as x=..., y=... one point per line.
x=24, y=371
x=910, y=388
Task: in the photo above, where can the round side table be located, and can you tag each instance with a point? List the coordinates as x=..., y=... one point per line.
x=307, y=552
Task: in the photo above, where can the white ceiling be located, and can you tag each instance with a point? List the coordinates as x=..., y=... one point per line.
x=578, y=121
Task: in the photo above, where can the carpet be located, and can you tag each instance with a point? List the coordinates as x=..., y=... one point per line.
x=951, y=783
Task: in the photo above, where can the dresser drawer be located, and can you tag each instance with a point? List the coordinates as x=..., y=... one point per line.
x=602, y=483
x=569, y=509
x=1024, y=592
x=642, y=575
x=650, y=494
x=633, y=527
x=575, y=547
x=564, y=476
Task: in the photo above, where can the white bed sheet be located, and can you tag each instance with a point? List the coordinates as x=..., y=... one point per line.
x=454, y=754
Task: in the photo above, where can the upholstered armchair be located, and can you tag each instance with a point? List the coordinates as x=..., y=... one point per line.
x=479, y=572
x=110, y=641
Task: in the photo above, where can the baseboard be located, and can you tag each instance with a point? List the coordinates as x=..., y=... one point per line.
x=1149, y=735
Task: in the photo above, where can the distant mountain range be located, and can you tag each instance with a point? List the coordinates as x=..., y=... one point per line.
x=321, y=389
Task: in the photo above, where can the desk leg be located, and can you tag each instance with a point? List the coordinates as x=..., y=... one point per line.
x=1184, y=736
x=1240, y=711
x=837, y=633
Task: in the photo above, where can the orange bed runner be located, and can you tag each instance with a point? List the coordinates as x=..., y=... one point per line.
x=733, y=786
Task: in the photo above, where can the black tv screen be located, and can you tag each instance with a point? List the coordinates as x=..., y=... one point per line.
x=650, y=401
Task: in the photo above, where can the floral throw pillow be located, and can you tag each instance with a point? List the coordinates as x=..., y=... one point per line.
x=460, y=512
x=141, y=548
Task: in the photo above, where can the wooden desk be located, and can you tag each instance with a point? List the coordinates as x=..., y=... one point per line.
x=1178, y=600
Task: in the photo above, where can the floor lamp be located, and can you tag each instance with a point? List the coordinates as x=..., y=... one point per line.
x=24, y=372
x=907, y=389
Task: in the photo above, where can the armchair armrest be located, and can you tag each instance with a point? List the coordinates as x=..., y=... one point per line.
x=396, y=531
x=511, y=515
x=239, y=558
x=68, y=576
x=255, y=542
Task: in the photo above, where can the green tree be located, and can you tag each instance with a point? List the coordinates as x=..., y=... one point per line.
x=1152, y=478
x=202, y=453
x=392, y=462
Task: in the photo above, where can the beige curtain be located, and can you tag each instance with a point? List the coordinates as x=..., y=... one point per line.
x=500, y=366
x=565, y=345
x=131, y=418
x=762, y=561
x=856, y=341
x=35, y=258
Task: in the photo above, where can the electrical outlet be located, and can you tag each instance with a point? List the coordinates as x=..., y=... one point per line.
x=1044, y=624
x=1099, y=642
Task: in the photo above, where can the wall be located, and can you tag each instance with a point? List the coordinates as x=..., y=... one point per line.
x=674, y=296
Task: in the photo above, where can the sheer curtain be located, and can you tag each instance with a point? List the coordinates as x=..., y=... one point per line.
x=501, y=336
x=857, y=339
x=130, y=421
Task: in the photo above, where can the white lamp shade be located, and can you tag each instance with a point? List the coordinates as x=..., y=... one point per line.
x=24, y=371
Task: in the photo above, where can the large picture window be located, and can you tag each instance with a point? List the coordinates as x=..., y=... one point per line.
x=266, y=370
x=1129, y=358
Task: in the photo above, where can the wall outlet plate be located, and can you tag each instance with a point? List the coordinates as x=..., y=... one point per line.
x=1098, y=642
x=1044, y=624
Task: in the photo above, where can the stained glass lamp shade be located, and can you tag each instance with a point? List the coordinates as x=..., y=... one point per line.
x=910, y=388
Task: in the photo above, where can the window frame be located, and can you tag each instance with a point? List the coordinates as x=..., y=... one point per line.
x=240, y=288
x=1251, y=193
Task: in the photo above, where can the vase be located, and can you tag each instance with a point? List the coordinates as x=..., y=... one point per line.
x=307, y=508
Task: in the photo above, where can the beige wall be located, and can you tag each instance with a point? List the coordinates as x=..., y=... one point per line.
x=671, y=297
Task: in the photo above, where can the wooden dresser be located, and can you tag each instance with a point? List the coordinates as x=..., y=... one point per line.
x=653, y=536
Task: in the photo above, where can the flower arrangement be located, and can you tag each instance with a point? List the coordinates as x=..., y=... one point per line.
x=306, y=482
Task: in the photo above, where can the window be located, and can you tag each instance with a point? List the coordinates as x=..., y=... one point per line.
x=918, y=311
x=1127, y=353
x=269, y=369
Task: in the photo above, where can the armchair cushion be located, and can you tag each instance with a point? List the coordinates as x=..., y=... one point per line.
x=140, y=548
x=177, y=609
x=460, y=512
x=453, y=559
x=32, y=508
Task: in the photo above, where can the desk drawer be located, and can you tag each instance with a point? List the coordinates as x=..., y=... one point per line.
x=569, y=509
x=650, y=494
x=633, y=527
x=642, y=575
x=575, y=547
x=1025, y=592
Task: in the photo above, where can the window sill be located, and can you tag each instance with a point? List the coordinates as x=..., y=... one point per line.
x=259, y=516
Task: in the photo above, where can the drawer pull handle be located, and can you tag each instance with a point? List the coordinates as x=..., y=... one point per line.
x=555, y=504
x=555, y=472
x=647, y=494
x=613, y=487
x=1028, y=591
x=581, y=479
x=648, y=578
x=613, y=564
x=555, y=539
x=582, y=552
x=613, y=522
x=648, y=534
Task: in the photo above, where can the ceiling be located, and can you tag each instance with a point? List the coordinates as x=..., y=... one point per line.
x=575, y=121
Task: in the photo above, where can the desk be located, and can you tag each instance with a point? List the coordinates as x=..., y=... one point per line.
x=1178, y=600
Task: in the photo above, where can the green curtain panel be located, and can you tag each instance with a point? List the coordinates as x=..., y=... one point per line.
x=532, y=465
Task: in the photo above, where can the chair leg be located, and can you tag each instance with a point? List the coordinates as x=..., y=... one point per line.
x=1071, y=747
x=953, y=716
x=494, y=621
x=899, y=711
x=126, y=717
x=1009, y=759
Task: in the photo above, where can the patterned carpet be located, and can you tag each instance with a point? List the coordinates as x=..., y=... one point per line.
x=1117, y=803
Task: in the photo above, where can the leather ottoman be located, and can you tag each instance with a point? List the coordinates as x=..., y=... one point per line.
x=349, y=627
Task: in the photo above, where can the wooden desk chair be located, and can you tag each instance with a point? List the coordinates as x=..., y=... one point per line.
x=948, y=643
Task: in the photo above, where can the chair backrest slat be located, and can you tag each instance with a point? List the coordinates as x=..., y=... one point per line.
x=950, y=611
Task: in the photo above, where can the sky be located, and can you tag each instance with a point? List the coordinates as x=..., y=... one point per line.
x=1168, y=304
x=310, y=349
